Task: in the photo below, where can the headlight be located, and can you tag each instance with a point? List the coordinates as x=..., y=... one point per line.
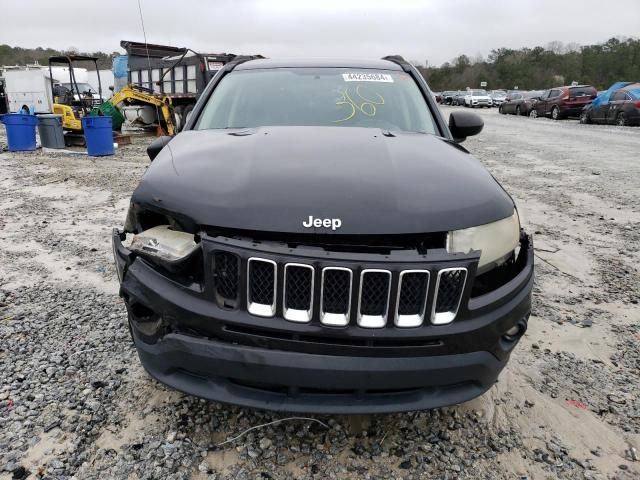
x=163, y=244
x=495, y=240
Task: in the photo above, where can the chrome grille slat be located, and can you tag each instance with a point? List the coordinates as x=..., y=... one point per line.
x=448, y=295
x=262, y=285
x=335, y=296
x=411, y=304
x=297, y=292
x=373, y=298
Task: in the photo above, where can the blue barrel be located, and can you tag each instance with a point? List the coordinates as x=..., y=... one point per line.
x=98, y=133
x=21, y=131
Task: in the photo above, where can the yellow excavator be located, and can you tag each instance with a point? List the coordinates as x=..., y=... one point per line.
x=73, y=104
x=137, y=95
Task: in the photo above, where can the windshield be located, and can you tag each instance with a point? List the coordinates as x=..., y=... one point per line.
x=389, y=100
x=477, y=93
x=82, y=87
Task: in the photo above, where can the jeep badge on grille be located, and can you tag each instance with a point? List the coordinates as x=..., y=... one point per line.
x=332, y=223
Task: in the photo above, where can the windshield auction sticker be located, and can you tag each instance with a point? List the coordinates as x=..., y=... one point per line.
x=367, y=77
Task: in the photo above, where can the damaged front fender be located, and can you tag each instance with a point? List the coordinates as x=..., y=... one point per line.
x=121, y=255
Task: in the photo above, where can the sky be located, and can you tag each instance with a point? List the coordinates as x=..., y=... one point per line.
x=420, y=30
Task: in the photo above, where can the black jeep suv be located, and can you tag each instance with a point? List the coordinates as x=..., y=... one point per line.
x=317, y=240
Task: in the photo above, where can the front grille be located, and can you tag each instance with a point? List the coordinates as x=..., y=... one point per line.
x=308, y=293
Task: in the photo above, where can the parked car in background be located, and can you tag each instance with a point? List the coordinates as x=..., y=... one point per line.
x=616, y=106
x=447, y=96
x=563, y=102
x=437, y=96
x=498, y=97
x=458, y=98
x=477, y=98
x=519, y=103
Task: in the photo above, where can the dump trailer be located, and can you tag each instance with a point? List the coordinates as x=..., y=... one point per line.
x=177, y=73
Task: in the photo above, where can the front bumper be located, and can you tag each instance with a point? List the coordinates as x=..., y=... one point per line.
x=186, y=342
x=481, y=103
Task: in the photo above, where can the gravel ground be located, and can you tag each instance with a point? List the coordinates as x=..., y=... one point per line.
x=74, y=401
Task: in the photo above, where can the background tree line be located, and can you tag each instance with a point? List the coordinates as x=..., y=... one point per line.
x=541, y=67
x=527, y=68
x=23, y=56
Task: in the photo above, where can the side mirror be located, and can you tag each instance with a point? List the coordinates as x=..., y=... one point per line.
x=464, y=124
x=112, y=88
x=158, y=144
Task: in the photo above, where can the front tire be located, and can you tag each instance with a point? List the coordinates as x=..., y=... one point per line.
x=500, y=110
x=585, y=118
x=533, y=113
x=621, y=120
x=555, y=113
x=177, y=117
x=518, y=111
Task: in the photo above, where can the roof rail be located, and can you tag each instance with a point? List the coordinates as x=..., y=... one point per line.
x=399, y=60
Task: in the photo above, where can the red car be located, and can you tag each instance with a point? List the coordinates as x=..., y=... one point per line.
x=563, y=102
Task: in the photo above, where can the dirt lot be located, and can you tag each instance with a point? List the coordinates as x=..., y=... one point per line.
x=74, y=401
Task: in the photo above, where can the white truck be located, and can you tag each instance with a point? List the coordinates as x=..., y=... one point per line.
x=31, y=86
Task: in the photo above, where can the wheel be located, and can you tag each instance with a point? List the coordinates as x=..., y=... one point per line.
x=518, y=111
x=533, y=113
x=186, y=113
x=585, y=118
x=177, y=117
x=621, y=120
x=555, y=113
x=500, y=110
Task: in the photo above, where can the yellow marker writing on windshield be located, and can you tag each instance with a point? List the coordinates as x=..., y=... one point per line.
x=367, y=107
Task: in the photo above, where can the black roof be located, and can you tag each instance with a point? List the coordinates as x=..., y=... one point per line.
x=140, y=49
x=72, y=58
x=318, y=62
x=157, y=51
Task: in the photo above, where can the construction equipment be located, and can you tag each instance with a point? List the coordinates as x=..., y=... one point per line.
x=68, y=100
x=180, y=74
x=139, y=95
x=73, y=103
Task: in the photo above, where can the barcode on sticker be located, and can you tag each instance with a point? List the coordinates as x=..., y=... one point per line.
x=367, y=77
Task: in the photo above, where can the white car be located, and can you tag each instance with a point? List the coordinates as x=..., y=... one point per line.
x=477, y=98
x=498, y=97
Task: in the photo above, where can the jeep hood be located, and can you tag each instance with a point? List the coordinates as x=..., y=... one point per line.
x=274, y=178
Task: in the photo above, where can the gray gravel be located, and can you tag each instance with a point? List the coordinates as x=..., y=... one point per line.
x=75, y=403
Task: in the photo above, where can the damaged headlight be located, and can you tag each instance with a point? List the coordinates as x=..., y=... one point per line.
x=164, y=245
x=496, y=240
